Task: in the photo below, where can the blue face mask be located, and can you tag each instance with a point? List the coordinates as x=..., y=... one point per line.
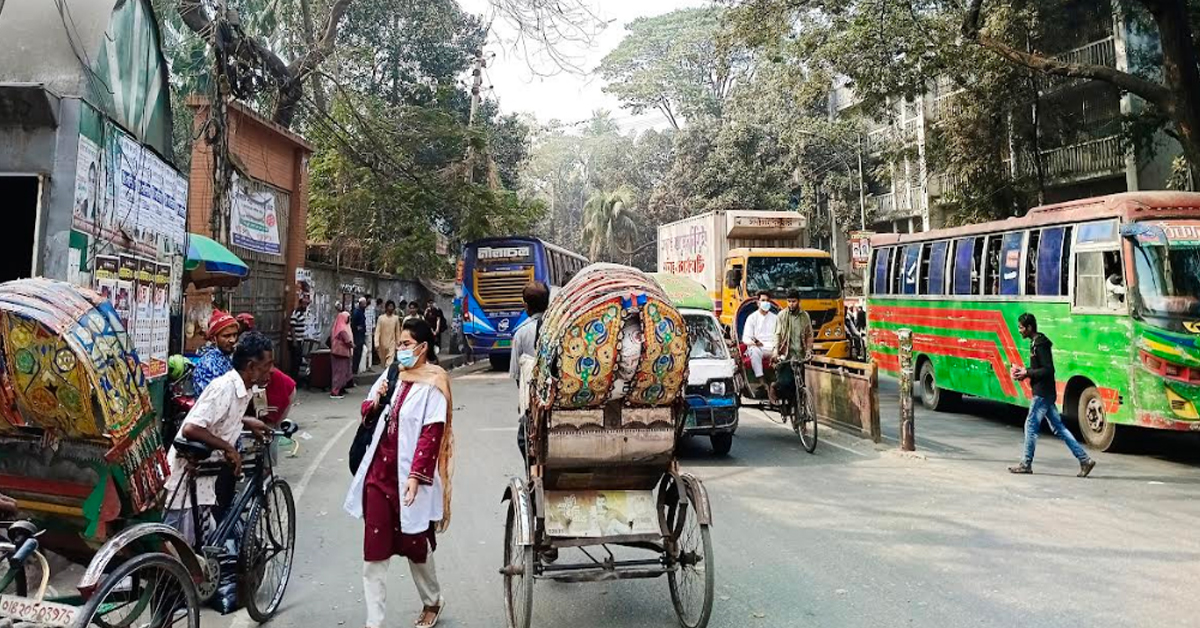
x=407, y=358
x=764, y=306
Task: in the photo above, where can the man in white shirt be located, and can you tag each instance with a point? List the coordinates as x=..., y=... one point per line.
x=759, y=334
x=217, y=420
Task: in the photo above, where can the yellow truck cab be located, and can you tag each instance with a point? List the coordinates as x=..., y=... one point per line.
x=812, y=272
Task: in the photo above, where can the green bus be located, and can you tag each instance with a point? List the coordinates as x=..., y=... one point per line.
x=1114, y=283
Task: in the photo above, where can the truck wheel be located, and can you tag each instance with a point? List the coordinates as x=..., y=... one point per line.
x=722, y=443
x=499, y=362
x=933, y=397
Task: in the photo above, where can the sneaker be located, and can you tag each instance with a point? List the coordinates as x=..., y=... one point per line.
x=1021, y=469
x=1086, y=467
x=337, y=395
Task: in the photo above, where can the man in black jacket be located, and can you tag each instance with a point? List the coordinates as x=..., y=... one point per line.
x=1040, y=375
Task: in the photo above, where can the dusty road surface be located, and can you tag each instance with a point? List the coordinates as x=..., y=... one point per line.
x=854, y=536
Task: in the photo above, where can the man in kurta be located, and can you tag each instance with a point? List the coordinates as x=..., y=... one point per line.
x=387, y=334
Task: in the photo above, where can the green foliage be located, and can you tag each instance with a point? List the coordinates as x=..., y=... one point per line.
x=610, y=225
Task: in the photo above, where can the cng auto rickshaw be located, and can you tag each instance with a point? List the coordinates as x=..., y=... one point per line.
x=711, y=394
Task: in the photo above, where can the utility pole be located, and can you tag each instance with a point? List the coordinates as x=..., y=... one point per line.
x=476, y=89
x=862, y=196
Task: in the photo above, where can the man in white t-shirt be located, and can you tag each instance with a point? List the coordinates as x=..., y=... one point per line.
x=759, y=334
x=217, y=420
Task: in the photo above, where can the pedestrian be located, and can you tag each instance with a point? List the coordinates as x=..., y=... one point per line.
x=217, y=420
x=214, y=360
x=341, y=346
x=358, y=325
x=245, y=322
x=413, y=312
x=372, y=315
x=387, y=334
x=759, y=335
x=402, y=489
x=376, y=357
x=297, y=334
x=437, y=322
x=1040, y=375
x=794, y=340
x=524, y=347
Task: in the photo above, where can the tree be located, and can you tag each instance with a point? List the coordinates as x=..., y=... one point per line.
x=675, y=63
x=611, y=225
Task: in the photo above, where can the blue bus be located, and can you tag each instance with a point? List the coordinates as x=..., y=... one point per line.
x=491, y=276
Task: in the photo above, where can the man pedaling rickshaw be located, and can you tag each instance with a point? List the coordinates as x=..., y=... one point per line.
x=793, y=343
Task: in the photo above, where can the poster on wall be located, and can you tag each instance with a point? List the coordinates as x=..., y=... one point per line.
x=104, y=277
x=254, y=224
x=126, y=275
x=860, y=249
x=162, y=311
x=144, y=316
x=89, y=186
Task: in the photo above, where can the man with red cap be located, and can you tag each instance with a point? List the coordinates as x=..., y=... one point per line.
x=215, y=356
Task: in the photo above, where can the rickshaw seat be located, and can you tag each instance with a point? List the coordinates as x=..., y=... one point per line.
x=194, y=450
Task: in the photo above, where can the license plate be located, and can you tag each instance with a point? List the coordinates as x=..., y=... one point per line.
x=48, y=613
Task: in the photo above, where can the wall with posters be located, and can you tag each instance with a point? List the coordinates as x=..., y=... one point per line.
x=331, y=286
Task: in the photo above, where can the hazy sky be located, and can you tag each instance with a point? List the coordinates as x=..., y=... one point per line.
x=567, y=97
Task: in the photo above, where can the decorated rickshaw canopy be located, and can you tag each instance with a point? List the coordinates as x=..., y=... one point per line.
x=611, y=333
x=66, y=364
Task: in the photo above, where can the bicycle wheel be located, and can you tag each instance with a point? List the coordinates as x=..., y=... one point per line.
x=265, y=556
x=150, y=590
x=805, y=420
x=518, y=573
x=692, y=583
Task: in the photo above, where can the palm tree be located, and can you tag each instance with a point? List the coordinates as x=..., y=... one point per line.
x=610, y=224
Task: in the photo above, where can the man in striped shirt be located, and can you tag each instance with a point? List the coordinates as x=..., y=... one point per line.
x=297, y=334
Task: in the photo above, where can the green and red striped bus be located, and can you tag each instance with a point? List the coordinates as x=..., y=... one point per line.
x=1114, y=283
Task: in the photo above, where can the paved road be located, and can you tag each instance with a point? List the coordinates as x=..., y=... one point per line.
x=856, y=535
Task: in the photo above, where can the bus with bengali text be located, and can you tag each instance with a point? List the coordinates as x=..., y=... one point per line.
x=1114, y=283
x=492, y=274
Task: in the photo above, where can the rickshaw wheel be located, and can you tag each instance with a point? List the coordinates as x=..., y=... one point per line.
x=692, y=583
x=267, y=547
x=805, y=420
x=148, y=590
x=518, y=587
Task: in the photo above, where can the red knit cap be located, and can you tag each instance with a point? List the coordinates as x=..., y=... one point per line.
x=218, y=321
x=246, y=320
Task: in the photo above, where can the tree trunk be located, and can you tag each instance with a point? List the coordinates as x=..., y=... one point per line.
x=1181, y=74
x=309, y=40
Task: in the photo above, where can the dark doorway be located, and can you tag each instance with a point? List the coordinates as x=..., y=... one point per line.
x=16, y=242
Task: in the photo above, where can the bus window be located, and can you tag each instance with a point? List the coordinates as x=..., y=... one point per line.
x=965, y=264
x=1010, y=263
x=923, y=275
x=1050, y=263
x=912, y=254
x=881, y=271
x=1089, y=279
x=1114, y=281
x=1065, y=263
x=991, y=283
x=936, y=283
x=1098, y=232
x=1031, y=262
x=896, y=272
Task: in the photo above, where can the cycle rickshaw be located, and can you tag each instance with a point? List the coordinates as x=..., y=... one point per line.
x=606, y=414
x=794, y=403
x=83, y=456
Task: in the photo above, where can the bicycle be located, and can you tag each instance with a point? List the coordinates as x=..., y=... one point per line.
x=262, y=514
x=797, y=405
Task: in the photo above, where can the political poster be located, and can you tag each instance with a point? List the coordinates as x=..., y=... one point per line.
x=254, y=224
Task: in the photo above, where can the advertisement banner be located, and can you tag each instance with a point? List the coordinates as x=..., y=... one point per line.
x=860, y=249
x=594, y=514
x=254, y=224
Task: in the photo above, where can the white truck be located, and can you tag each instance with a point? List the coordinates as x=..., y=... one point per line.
x=696, y=247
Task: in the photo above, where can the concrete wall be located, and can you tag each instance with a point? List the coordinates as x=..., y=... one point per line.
x=332, y=286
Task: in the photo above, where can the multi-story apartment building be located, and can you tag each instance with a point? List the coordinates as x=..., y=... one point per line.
x=1081, y=151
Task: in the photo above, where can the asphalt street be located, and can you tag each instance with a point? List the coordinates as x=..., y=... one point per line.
x=856, y=535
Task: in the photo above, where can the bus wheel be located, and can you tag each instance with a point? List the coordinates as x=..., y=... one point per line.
x=1098, y=432
x=932, y=397
x=498, y=361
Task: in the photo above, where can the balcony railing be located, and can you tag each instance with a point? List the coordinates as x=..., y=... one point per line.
x=1085, y=160
x=1102, y=52
x=891, y=205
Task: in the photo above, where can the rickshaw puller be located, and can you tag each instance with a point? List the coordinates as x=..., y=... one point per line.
x=794, y=330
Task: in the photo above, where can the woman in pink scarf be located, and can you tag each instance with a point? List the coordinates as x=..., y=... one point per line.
x=341, y=345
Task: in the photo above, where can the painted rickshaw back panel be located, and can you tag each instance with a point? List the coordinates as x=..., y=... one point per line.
x=80, y=444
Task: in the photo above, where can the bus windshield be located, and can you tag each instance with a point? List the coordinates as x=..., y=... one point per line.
x=814, y=277
x=1168, y=279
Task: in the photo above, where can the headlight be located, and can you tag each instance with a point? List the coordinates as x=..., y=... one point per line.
x=717, y=388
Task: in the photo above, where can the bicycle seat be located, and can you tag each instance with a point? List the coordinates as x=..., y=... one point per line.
x=192, y=449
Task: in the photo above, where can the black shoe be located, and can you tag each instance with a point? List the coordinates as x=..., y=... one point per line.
x=1086, y=467
x=1021, y=469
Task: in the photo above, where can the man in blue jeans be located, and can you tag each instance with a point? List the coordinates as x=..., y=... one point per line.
x=1040, y=375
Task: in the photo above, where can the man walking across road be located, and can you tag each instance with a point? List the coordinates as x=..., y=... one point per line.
x=1040, y=376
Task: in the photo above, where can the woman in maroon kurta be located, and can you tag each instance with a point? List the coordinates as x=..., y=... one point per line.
x=402, y=488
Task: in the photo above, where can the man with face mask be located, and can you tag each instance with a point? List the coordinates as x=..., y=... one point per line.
x=759, y=334
x=217, y=420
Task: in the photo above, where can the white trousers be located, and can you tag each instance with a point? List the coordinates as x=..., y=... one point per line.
x=757, y=355
x=375, y=587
